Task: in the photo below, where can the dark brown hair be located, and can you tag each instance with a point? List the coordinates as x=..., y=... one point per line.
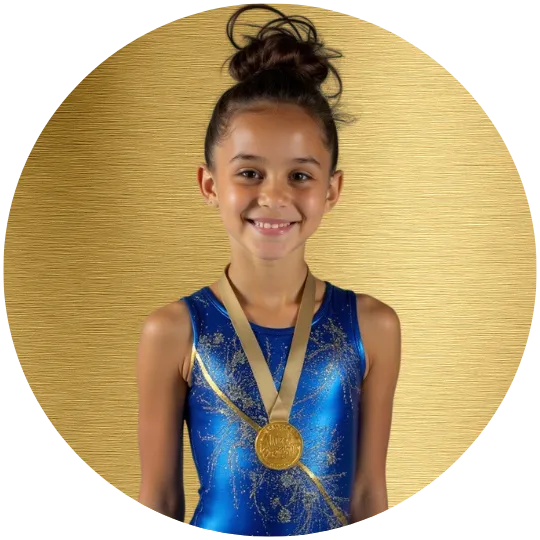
x=279, y=66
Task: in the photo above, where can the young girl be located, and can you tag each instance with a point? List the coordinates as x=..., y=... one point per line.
x=268, y=365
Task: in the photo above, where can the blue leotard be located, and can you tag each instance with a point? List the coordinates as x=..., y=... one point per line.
x=238, y=494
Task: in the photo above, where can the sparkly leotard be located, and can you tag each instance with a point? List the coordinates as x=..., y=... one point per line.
x=238, y=494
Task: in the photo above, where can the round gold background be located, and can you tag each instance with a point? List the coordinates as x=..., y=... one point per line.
x=108, y=223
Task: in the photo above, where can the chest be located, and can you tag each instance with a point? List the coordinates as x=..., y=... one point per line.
x=274, y=318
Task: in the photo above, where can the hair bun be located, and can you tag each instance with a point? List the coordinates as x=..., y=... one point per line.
x=278, y=51
x=278, y=48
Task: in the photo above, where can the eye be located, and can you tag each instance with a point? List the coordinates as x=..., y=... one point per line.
x=241, y=173
x=307, y=177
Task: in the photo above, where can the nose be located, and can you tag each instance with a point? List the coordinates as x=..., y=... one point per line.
x=275, y=193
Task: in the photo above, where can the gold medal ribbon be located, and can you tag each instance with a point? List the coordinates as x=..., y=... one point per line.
x=279, y=444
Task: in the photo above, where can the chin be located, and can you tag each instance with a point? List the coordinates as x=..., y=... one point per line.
x=269, y=254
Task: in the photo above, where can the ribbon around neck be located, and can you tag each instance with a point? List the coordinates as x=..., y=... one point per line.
x=278, y=405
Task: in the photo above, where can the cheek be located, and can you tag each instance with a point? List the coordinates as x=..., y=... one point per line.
x=313, y=204
x=234, y=199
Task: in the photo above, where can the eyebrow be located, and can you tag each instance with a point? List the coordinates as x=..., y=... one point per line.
x=252, y=157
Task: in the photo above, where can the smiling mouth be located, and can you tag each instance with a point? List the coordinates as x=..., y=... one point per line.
x=290, y=224
x=272, y=232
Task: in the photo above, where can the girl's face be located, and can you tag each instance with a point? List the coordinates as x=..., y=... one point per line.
x=272, y=164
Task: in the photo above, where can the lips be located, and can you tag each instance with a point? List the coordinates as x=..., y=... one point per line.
x=272, y=221
x=272, y=231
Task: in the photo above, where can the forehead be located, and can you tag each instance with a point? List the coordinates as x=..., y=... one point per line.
x=278, y=132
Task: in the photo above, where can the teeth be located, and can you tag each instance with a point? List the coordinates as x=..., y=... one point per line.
x=268, y=226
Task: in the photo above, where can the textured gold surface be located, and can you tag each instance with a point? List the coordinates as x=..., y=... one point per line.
x=107, y=223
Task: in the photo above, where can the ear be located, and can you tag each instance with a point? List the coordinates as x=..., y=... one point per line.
x=207, y=184
x=334, y=190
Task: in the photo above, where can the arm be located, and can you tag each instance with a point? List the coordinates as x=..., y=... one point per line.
x=162, y=392
x=381, y=333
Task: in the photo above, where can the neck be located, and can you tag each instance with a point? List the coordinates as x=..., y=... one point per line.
x=268, y=284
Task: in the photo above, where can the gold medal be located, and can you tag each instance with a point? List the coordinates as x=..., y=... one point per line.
x=278, y=444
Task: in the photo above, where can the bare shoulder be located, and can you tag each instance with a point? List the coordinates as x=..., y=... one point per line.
x=380, y=329
x=170, y=321
x=170, y=326
x=376, y=311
